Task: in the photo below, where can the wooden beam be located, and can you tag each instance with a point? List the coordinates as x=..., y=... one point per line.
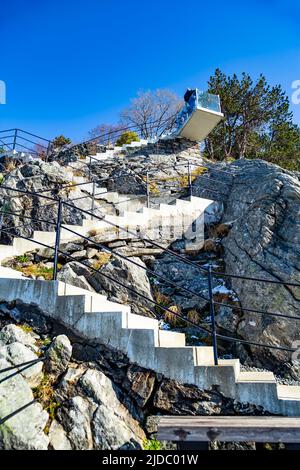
x=229, y=429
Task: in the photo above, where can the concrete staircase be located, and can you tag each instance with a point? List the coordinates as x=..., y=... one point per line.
x=93, y=317
x=111, y=153
x=167, y=221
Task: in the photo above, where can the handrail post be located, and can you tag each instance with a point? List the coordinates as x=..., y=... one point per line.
x=15, y=139
x=57, y=239
x=190, y=179
x=2, y=215
x=148, y=189
x=90, y=167
x=48, y=151
x=93, y=200
x=212, y=315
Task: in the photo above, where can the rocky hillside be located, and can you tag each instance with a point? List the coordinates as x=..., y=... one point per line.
x=84, y=395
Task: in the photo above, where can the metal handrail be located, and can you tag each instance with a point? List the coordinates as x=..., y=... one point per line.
x=212, y=333
x=182, y=258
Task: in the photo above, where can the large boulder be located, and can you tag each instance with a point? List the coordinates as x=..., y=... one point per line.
x=13, y=333
x=44, y=179
x=262, y=206
x=17, y=354
x=113, y=426
x=58, y=355
x=25, y=430
x=125, y=282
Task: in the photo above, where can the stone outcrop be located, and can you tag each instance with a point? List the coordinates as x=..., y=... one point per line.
x=98, y=400
x=134, y=288
x=44, y=179
x=262, y=208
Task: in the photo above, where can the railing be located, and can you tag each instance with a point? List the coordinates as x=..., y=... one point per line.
x=23, y=141
x=58, y=225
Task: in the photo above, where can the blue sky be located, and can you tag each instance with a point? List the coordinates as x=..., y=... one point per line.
x=69, y=65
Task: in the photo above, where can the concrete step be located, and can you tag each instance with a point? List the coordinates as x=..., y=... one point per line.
x=171, y=339
x=288, y=392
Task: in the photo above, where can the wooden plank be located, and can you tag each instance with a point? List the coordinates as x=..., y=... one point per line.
x=229, y=428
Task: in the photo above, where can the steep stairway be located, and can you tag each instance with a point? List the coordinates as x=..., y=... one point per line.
x=93, y=317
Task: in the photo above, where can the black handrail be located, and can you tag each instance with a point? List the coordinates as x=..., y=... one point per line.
x=176, y=314
x=182, y=258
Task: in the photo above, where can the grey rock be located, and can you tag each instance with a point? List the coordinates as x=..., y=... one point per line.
x=69, y=274
x=131, y=276
x=17, y=353
x=13, y=333
x=262, y=205
x=58, y=355
x=79, y=254
x=75, y=418
x=91, y=252
x=113, y=426
x=58, y=438
x=24, y=431
x=37, y=177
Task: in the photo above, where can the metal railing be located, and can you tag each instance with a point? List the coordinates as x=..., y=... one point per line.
x=23, y=141
x=58, y=225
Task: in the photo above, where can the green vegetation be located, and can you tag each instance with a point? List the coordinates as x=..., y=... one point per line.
x=152, y=444
x=60, y=141
x=44, y=393
x=26, y=328
x=257, y=122
x=22, y=259
x=36, y=270
x=126, y=138
x=1, y=178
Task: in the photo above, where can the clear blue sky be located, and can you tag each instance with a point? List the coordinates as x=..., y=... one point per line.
x=69, y=65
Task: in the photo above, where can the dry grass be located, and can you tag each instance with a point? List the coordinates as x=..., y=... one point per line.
x=36, y=270
x=103, y=258
x=78, y=173
x=173, y=319
x=194, y=316
x=166, y=302
x=210, y=245
x=10, y=166
x=93, y=232
x=220, y=231
x=44, y=393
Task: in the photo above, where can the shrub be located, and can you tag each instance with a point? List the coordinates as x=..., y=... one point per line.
x=60, y=141
x=126, y=138
x=152, y=444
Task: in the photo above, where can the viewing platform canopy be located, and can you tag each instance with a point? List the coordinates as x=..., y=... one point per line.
x=199, y=116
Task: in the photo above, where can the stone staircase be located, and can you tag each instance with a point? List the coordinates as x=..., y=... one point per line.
x=93, y=317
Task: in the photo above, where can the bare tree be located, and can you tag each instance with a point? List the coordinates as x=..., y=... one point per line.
x=106, y=134
x=152, y=112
